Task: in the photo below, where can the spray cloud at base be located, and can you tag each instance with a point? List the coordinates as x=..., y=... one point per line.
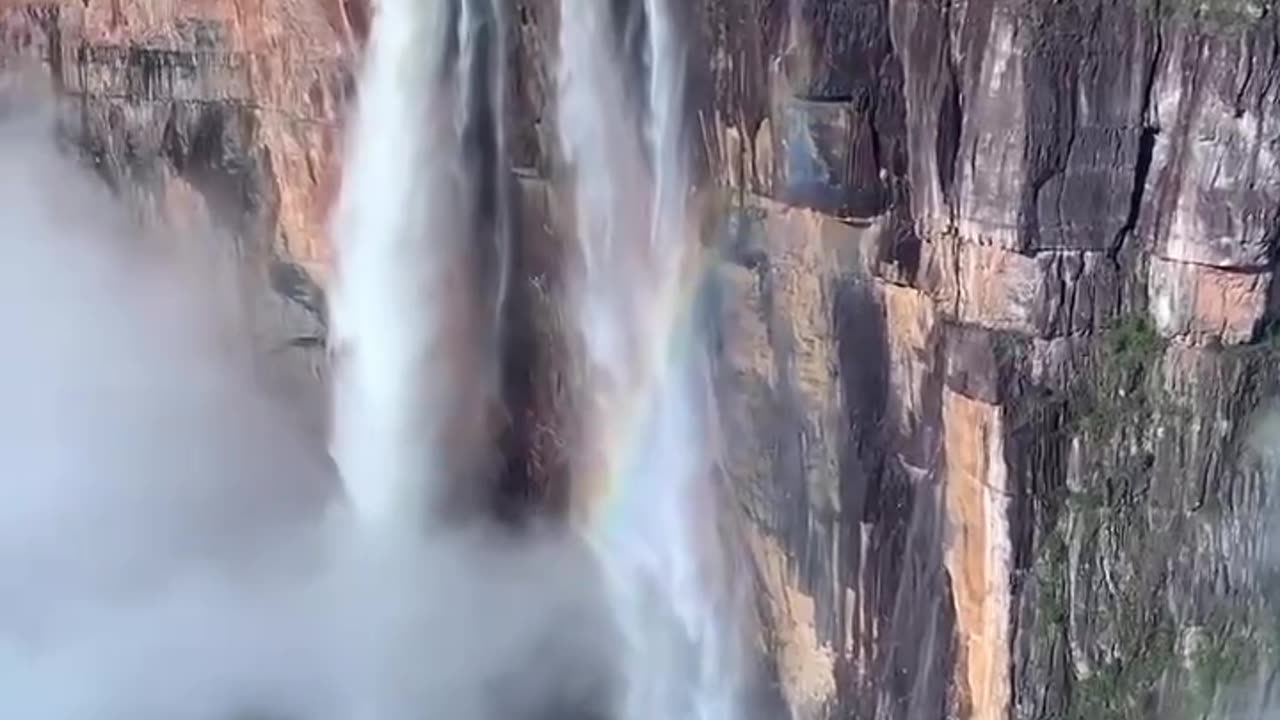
x=172, y=546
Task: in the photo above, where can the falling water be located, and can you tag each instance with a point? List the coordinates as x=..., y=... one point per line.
x=415, y=331
x=166, y=550
x=414, y=326
x=646, y=471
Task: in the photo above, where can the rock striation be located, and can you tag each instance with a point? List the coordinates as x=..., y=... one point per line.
x=1059, y=333
x=215, y=120
x=996, y=331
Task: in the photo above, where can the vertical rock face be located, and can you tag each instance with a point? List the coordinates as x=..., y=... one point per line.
x=1053, y=336
x=979, y=550
x=996, y=313
x=214, y=120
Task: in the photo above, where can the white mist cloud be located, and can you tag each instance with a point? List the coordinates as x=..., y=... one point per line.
x=173, y=547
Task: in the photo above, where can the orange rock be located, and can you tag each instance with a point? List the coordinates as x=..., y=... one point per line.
x=1199, y=303
x=284, y=63
x=979, y=555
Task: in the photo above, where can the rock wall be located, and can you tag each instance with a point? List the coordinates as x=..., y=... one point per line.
x=1059, y=332
x=217, y=122
x=996, y=309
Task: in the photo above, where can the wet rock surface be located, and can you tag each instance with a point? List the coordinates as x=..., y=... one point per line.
x=218, y=123
x=1074, y=216
x=995, y=323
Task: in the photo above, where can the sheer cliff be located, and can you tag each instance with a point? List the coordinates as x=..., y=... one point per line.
x=995, y=321
x=1002, y=280
x=217, y=121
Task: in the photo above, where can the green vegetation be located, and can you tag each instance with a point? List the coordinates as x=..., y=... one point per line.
x=1050, y=570
x=1144, y=661
x=1127, y=359
x=1137, y=635
x=1122, y=391
x=1141, y=649
x=1086, y=500
x=1148, y=660
x=1217, y=663
x=1225, y=653
x=1131, y=344
x=1122, y=688
x=1113, y=399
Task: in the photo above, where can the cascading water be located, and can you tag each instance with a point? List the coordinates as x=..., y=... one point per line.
x=181, y=562
x=415, y=344
x=414, y=328
x=645, y=474
x=422, y=250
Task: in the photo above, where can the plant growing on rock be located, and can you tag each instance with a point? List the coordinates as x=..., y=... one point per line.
x=1126, y=360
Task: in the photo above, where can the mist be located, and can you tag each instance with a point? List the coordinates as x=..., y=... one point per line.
x=1252, y=693
x=174, y=546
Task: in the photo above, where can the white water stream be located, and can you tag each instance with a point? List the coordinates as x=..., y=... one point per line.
x=645, y=476
x=415, y=336
x=171, y=546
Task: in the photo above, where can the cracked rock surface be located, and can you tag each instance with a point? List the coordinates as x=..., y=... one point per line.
x=996, y=322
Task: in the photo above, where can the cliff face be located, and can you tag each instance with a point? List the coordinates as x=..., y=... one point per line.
x=996, y=309
x=213, y=119
x=1002, y=275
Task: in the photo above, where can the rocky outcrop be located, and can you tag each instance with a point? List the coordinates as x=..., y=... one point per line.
x=214, y=120
x=1078, y=208
x=996, y=313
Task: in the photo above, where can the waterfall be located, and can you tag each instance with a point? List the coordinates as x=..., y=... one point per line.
x=414, y=331
x=415, y=320
x=168, y=549
x=643, y=478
